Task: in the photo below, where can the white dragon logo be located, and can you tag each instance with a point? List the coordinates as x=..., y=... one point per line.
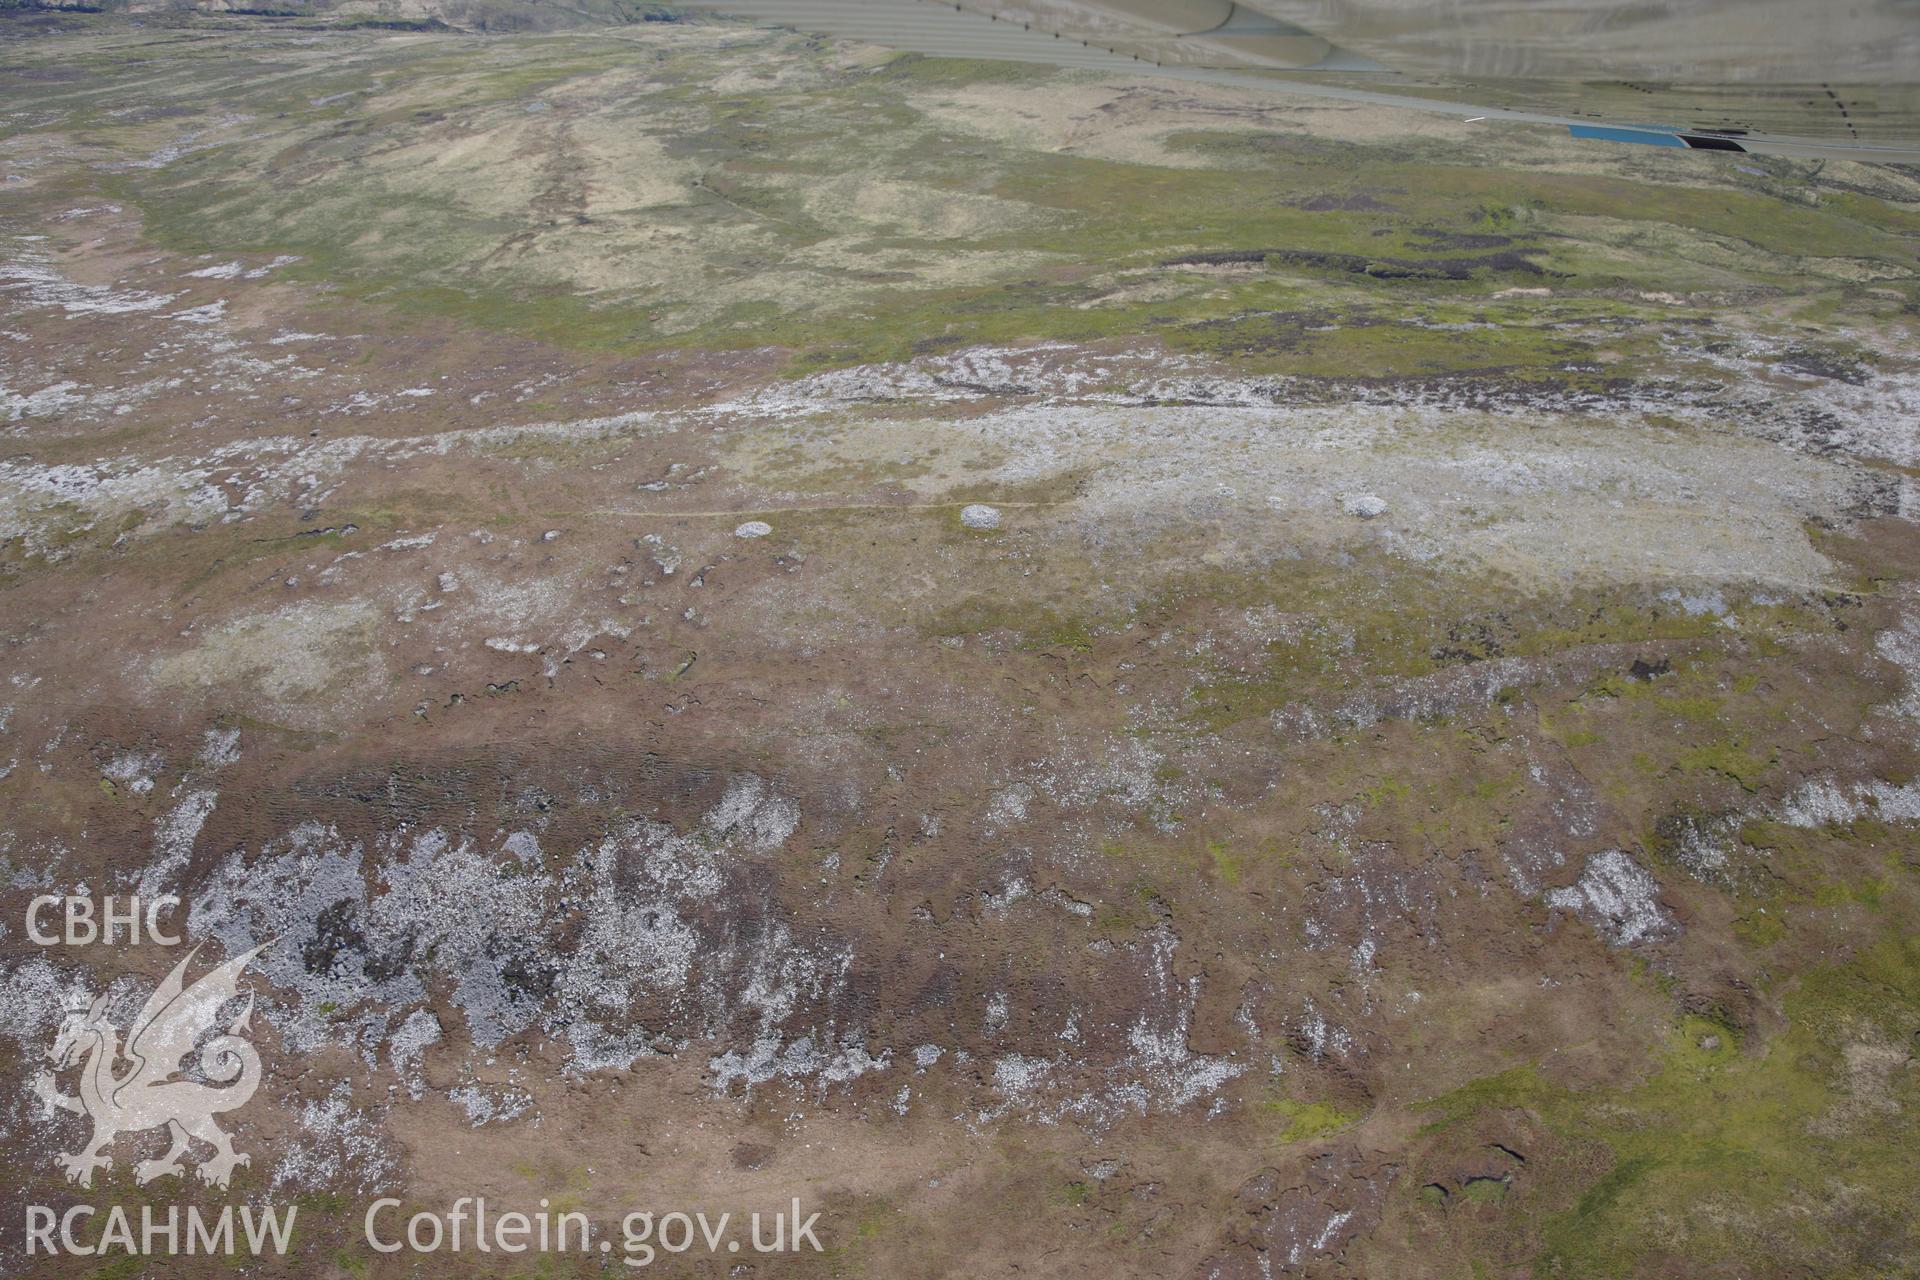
x=141, y=1090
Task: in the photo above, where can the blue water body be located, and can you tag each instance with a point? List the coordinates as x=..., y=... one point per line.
x=1603, y=133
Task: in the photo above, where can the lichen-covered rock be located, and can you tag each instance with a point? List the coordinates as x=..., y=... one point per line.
x=1619, y=898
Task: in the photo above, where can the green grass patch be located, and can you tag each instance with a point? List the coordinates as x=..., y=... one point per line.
x=1301, y=1121
x=1721, y=1134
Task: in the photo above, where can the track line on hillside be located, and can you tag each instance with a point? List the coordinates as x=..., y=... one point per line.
x=731, y=513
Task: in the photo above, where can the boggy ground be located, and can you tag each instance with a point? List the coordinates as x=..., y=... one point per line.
x=1420, y=780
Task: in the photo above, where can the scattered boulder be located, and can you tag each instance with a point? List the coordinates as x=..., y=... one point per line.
x=753, y=529
x=1363, y=505
x=980, y=516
